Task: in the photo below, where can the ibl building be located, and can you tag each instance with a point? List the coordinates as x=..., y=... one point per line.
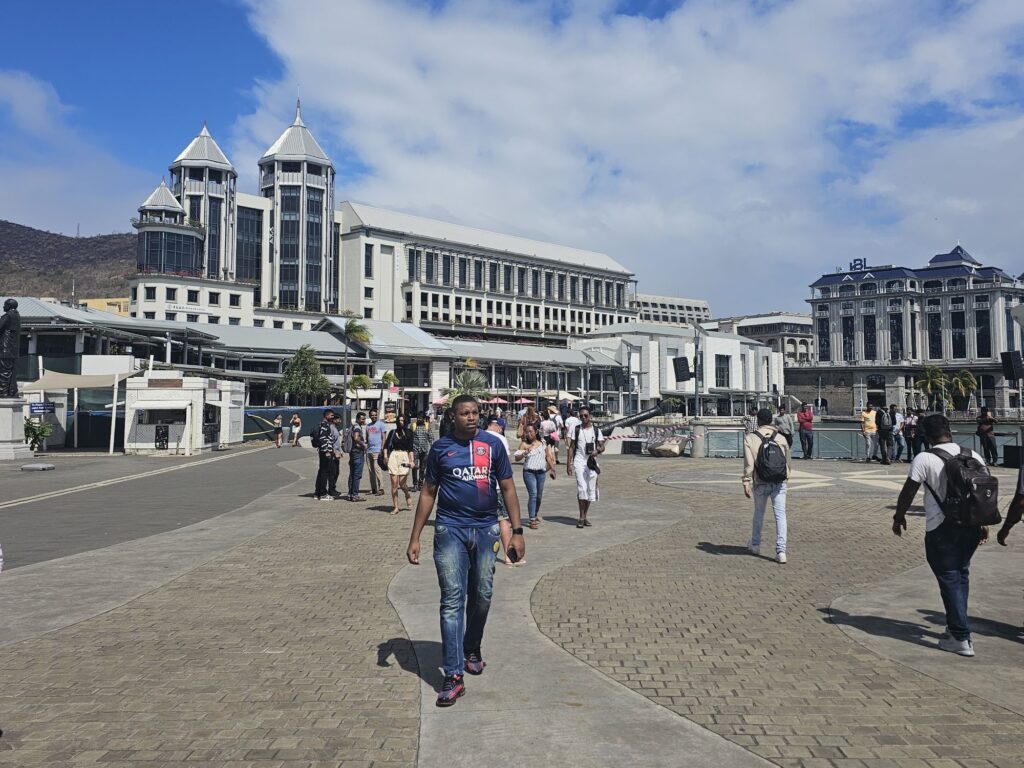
x=877, y=327
x=285, y=257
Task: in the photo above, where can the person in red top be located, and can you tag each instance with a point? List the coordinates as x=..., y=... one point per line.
x=805, y=419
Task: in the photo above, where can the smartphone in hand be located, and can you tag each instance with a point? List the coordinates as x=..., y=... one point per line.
x=512, y=555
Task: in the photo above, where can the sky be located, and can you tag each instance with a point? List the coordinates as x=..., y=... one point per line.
x=732, y=150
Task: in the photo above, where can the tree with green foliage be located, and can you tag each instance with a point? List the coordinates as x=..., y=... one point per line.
x=360, y=381
x=302, y=377
x=932, y=381
x=468, y=382
x=352, y=331
x=963, y=383
x=388, y=379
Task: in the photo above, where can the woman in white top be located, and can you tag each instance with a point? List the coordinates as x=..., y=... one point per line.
x=538, y=460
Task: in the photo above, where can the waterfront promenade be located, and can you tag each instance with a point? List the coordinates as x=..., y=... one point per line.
x=230, y=621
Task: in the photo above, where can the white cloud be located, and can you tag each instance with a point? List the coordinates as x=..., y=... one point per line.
x=53, y=178
x=692, y=148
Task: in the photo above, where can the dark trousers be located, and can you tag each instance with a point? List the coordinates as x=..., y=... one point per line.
x=356, y=459
x=807, y=442
x=420, y=470
x=326, y=475
x=988, y=448
x=885, y=445
x=949, y=549
x=920, y=444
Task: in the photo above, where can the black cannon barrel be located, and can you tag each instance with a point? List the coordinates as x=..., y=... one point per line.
x=636, y=418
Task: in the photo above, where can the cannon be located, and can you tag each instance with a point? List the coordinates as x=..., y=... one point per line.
x=628, y=421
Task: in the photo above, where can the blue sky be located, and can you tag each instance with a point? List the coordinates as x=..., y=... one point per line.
x=693, y=141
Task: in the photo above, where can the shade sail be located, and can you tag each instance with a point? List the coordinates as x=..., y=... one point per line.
x=54, y=382
x=523, y=401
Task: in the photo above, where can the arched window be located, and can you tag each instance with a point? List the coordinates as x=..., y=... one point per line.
x=893, y=286
x=957, y=284
x=932, y=286
x=869, y=288
x=847, y=289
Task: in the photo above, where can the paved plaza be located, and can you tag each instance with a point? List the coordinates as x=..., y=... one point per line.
x=231, y=621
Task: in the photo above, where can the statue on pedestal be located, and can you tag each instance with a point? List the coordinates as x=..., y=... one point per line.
x=10, y=339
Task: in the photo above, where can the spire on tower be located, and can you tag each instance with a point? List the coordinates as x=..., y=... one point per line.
x=298, y=113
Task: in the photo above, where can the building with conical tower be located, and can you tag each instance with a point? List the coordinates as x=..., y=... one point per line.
x=287, y=256
x=298, y=177
x=203, y=182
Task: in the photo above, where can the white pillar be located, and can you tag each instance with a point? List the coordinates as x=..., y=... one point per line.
x=113, y=416
x=76, y=417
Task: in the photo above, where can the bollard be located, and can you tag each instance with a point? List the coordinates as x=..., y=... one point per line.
x=699, y=448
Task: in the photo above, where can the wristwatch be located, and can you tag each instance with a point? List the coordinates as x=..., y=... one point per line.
x=517, y=531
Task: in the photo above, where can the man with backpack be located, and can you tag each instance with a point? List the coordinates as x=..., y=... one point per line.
x=883, y=425
x=960, y=502
x=766, y=467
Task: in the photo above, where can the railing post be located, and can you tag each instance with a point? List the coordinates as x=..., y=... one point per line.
x=699, y=448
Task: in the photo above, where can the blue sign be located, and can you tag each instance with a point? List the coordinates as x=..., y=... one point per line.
x=37, y=409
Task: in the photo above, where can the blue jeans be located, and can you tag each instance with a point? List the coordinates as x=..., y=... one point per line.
x=534, y=480
x=356, y=459
x=899, y=443
x=949, y=549
x=777, y=493
x=464, y=558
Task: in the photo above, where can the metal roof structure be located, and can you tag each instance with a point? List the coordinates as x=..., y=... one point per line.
x=296, y=143
x=515, y=354
x=162, y=200
x=203, y=151
x=956, y=263
x=244, y=338
x=387, y=338
x=421, y=228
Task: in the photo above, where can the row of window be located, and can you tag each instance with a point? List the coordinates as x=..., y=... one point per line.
x=672, y=307
x=934, y=337
x=439, y=307
x=898, y=286
x=191, y=296
x=484, y=275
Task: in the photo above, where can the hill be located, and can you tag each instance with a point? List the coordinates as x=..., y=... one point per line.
x=38, y=263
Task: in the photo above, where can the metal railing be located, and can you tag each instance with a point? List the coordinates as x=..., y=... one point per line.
x=834, y=443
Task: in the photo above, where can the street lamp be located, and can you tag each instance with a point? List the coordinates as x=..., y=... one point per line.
x=698, y=364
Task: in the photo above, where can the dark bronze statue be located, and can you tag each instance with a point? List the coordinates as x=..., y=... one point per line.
x=10, y=339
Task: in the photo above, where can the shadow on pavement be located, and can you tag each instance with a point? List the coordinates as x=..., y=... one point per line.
x=722, y=549
x=979, y=626
x=409, y=654
x=561, y=520
x=883, y=626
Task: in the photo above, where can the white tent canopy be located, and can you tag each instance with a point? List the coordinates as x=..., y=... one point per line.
x=52, y=381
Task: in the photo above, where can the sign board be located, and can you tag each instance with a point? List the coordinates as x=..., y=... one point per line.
x=390, y=411
x=37, y=409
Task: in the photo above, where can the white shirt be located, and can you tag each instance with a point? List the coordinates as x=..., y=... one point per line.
x=504, y=441
x=547, y=427
x=897, y=422
x=570, y=426
x=927, y=468
x=587, y=435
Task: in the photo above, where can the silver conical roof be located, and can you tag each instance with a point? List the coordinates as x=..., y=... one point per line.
x=203, y=150
x=297, y=143
x=161, y=200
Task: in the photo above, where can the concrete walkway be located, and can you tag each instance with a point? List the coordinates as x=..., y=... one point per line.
x=536, y=704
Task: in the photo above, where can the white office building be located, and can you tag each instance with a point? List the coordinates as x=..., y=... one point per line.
x=289, y=255
x=670, y=310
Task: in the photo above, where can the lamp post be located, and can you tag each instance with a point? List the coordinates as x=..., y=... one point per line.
x=698, y=361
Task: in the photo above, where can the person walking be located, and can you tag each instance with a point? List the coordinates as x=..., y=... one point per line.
x=529, y=417
x=398, y=455
x=783, y=422
x=296, y=425
x=278, y=430
x=883, y=430
x=869, y=432
x=504, y=526
x=585, y=445
x=920, y=441
x=899, y=441
x=375, y=429
x=538, y=463
x=805, y=420
x=327, y=447
x=466, y=471
x=750, y=421
x=910, y=433
x=421, y=441
x=356, y=456
x=986, y=435
x=948, y=546
x=766, y=467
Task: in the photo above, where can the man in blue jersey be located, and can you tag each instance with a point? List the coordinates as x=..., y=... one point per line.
x=466, y=469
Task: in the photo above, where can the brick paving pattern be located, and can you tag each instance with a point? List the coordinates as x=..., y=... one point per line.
x=744, y=647
x=283, y=652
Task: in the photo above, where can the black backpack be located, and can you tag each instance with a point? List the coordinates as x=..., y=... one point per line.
x=770, y=464
x=972, y=494
x=883, y=421
x=314, y=436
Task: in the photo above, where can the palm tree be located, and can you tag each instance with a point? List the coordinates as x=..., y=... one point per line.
x=360, y=381
x=963, y=383
x=468, y=382
x=360, y=334
x=932, y=381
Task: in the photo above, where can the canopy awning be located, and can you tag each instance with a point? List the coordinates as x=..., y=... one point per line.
x=56, y=382
x=563, y=395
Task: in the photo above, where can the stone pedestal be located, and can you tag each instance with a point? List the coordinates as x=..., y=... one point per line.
x=12, y=430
